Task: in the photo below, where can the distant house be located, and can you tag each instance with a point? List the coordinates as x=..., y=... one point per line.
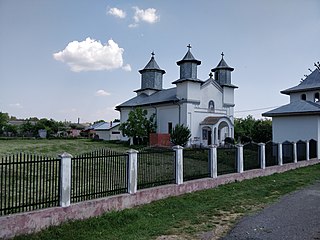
x=206, y=107
x=104, y=130
x=300, y=119
x=108, y=131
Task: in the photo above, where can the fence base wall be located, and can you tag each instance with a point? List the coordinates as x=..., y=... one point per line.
x=30, y=222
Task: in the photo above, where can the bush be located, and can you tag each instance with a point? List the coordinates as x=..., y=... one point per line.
x=180, y=135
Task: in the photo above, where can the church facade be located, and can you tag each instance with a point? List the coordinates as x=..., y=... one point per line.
x=206, y=107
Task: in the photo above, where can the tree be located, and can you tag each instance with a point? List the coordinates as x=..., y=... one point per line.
x=138, y=126
x=180, y=135
x=4, y=118
x=250, y=129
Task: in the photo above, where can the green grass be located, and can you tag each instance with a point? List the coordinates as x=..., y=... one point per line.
x=53, y=147
x=189, y=215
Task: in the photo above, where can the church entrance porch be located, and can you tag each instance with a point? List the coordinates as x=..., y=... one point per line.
x=214, y=130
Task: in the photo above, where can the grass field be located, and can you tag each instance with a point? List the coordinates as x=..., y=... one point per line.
x=53, y=147
x=191, y=216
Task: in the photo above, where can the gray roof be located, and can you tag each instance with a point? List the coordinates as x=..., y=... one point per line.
x=312, y=82
x=106, y=126
x=189, y=58
x=222, y=65
x=300, y=107
x=163, y=96
x=152, y=65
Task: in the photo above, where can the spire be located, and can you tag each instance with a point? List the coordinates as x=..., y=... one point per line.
x=188, y=68
x=151, y=75
x=222, y=73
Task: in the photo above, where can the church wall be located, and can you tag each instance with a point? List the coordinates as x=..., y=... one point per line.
x=165, y=115
x=309, y=96
x=295, y=128
x=228, y=95
x=210, y=92
x=188, y=90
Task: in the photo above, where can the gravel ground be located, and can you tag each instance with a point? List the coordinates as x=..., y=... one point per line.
x=296, y=217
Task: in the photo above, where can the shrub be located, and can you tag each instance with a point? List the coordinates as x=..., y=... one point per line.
x=180, y=135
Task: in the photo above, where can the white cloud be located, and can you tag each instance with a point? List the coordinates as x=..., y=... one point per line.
x=15, y=105
x=127, y=68
x=91, y=55
x=133, y=25
x=102, y=93
x=149, y=15
x=116, y=12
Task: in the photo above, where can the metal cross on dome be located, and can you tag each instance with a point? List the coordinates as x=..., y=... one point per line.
x=222, y=54
x=189, y=46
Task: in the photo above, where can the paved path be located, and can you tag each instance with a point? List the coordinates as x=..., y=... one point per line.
x=296, y=217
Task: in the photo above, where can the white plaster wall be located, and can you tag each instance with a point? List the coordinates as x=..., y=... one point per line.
x=297, y=96
x=228, y=95
x=188, y=90
x=210, y=92
x=295, y=128
x=165, y=115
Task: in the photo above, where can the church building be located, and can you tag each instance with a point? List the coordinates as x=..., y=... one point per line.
x=300, y=119
x=206, y=107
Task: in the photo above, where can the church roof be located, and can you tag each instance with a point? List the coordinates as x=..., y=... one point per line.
x=189, y=58
x=152, y=65
x=300, y=107
x=222, y=65
x=312, y=82
x=163, y=96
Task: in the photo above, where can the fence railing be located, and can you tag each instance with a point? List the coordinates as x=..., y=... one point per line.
x=98, y=174
x=155, y=168
x=30, y=182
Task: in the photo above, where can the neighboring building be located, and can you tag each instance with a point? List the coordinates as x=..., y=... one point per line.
x=108, y=131
x=300, y=119
x=206, y=107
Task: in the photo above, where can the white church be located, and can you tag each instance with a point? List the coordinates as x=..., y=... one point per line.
x=206, y=107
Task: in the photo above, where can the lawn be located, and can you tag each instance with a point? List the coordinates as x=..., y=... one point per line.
x=54, y=147
x=191, y=216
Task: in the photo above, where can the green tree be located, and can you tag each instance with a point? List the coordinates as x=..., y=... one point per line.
x=4, y=118
x=138, y=126
x=180, y=135
x=251, y=129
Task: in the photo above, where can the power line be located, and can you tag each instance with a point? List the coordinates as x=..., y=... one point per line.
x=257, y=109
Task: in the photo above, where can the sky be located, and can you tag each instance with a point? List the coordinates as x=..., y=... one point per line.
x=70, y=59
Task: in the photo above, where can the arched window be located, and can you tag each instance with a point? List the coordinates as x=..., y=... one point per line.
x=316, y=97
x=303, y=97
x=211, y=105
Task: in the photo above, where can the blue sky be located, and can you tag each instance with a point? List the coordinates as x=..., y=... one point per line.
x=80, y=58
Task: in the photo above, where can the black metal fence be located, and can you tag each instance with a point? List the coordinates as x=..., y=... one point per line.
x=287, y=152
x=195, y=163
x=301, y=150
x=272, y=154
x=28, y=182
x=251, y=159
x=156, y=167
x=313, y=149
x=227, y=160
x=98, y=174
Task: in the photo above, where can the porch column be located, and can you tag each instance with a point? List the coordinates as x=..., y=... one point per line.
x=262, y=153
x=239, y=158
x=213, y=161
x=307, y=151
x=280, y=162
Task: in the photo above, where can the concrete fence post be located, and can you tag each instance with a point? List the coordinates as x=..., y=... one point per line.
x=307, y=150
x=179, y=164
x=262, y=153
x=239, y=158
x=213, y=160
x=65, y=179
x=132, y=171
x=295, y=155
x=280, y=162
